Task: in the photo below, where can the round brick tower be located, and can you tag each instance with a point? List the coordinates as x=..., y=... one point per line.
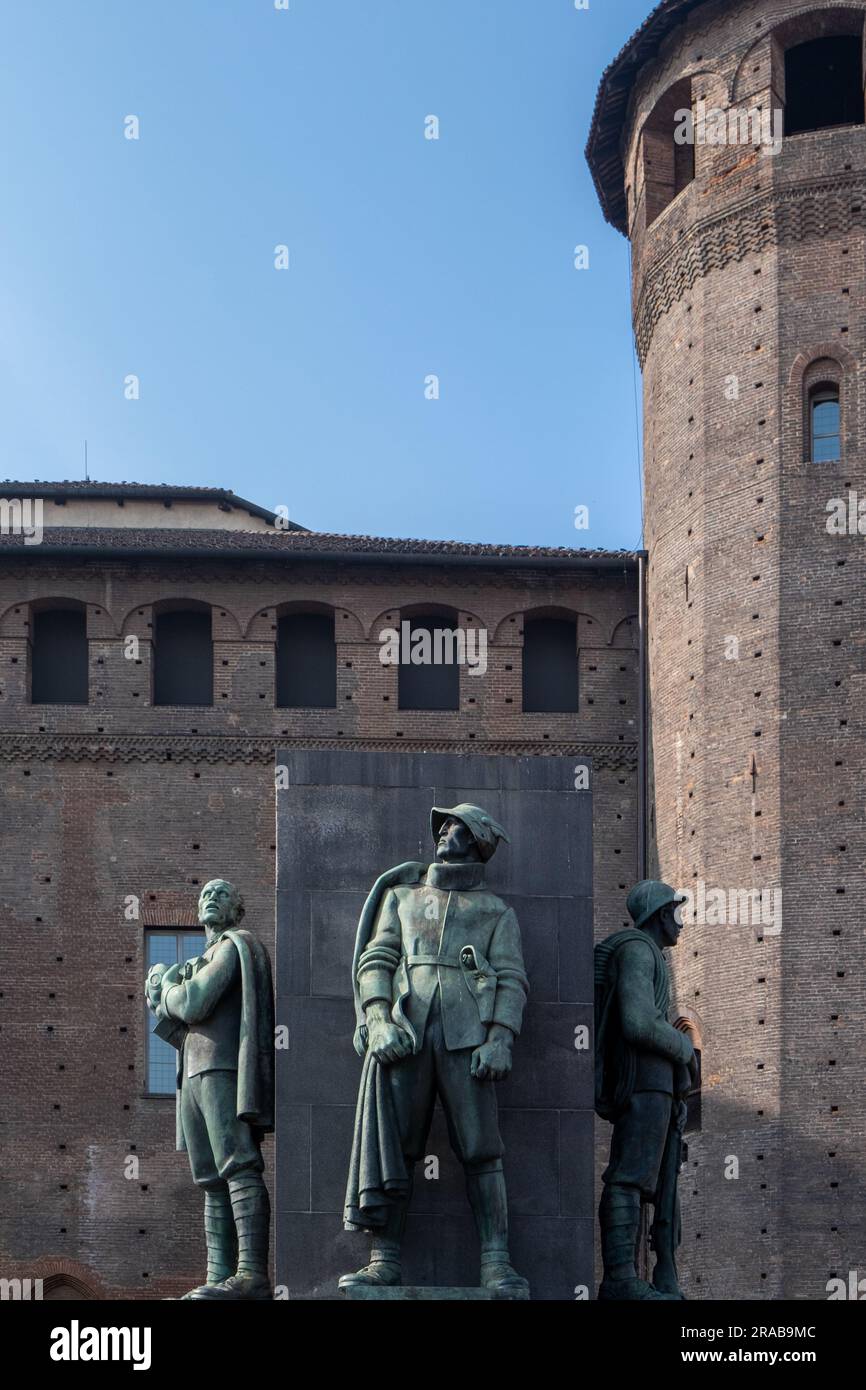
x=729, y=145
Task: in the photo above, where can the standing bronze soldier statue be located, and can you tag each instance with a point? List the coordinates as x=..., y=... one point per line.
x=644, y=1067
x=218, y=1011
x=440, y=989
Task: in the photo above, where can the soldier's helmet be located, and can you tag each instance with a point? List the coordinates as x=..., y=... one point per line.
x=647, y=898
x=485, y=830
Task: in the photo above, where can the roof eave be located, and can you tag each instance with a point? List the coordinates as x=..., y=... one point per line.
x=572, y=560
x=611, y=106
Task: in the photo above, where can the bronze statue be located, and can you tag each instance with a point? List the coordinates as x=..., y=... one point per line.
x=440, y=989
x=644, y=1067
x=218, y=1011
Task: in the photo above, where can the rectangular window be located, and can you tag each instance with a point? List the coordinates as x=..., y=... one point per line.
x=183, y=658
x=166, y=947
x=826, y=428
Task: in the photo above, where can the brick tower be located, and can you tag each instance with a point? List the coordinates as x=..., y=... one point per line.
x=728, y=144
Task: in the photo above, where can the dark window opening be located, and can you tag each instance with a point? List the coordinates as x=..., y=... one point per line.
x=306, y=661
x=825, y=417
x=550, y=666
x=668, y=149
x=183, y=658
x=59, y=674
x=824, y=84
x=432, y=680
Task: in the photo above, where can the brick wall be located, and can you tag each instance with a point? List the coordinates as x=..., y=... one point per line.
x=109, y=800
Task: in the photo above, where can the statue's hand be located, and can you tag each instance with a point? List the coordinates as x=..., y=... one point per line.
x=153, y=986
x=492, y=1061
x=386, y=1041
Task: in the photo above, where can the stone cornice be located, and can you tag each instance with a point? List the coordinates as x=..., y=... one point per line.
x=219, y=749
x=817, y=208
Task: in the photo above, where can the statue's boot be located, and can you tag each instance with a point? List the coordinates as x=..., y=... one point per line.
x=489, y=1204
x=222, y=1245
x=251, y=1209
x=385, y=1268
x=619, y=1218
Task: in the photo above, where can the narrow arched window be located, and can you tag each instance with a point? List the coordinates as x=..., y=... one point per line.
x=59, y=666
x=306, y=661
x=825, y=423
x=183, y=657
x=550, y=665
x=428, y=675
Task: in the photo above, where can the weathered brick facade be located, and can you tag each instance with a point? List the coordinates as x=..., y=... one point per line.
x=121, y=798
x=748, y=286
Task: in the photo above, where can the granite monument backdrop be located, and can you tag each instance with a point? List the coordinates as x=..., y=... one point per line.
x=342, y=819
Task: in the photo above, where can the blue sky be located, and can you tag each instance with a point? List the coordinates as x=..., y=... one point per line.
x=408, y=258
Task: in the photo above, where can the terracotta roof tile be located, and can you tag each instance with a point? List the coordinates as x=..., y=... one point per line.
x=132, y=541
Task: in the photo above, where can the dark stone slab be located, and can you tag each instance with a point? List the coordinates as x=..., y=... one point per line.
x=342, y=820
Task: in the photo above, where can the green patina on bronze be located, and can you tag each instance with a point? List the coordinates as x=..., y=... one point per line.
x=218, y=1011
x=644, y=1069
x=440, y=988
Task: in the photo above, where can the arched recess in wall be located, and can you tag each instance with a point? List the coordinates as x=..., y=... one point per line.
x=816, y=69
x=391, y=618
x=626, y=633
x=59, y=654
x=822, y=404
x=182, y=653
x=68, y=1280
x=666, y=157
x=306, y=656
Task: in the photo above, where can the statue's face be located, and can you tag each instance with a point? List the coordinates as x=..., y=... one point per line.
x=670, y=924
x=456, y=841
x=217, y=905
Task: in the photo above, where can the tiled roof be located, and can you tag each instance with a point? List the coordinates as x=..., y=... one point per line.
x=603, y=147
x=92, y=541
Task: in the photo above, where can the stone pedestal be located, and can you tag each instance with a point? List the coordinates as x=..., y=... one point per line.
x=421, y=1293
